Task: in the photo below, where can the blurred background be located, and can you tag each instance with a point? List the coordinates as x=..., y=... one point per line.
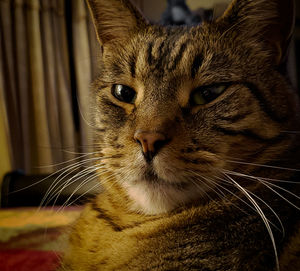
x=48, y=58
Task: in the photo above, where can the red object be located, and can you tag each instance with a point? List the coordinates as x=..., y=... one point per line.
x=28, y=260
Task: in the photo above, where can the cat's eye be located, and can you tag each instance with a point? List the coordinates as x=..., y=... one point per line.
x=123, y=93
x=204, y=95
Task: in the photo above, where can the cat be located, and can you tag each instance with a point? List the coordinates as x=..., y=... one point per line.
x=197, y=144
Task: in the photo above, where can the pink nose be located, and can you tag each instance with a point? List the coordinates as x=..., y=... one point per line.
x=150, y=142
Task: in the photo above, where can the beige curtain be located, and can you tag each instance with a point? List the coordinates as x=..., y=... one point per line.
x=5, y=146
x=48, y=58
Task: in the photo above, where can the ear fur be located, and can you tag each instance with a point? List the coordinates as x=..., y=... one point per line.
x=115, y=19
x=268, y=20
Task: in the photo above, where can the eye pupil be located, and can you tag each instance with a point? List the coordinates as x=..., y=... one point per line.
x=123, y=93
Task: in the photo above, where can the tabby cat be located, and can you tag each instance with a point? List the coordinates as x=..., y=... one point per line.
x=197, y=129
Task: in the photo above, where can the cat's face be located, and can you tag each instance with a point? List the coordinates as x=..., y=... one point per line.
x=176, y=106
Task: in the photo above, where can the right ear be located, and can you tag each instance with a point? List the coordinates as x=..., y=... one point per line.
x=269, y=20
x=115, y=19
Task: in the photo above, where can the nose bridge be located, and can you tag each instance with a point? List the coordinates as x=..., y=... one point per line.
x=156, y=116
x=155, y=124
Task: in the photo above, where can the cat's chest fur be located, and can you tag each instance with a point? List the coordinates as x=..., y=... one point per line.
x=219, y=236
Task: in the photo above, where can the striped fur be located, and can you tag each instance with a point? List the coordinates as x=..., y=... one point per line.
x=194, y=206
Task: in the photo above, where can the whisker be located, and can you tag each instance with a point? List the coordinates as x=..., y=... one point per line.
x=82, y=115
x=261, y=165
x=262, y=215
x=73, y=179
x=204, y=183
x=262, y=178
x=290, y=132
x=207, y=181
x=68, y=161
x=283, y=189
x=236, y=196
x=269, y=207
x=272, y=210
x=94, y=187
x=69, y=182
x=47, y=177
x=67, y=170
x=86, y=181
x=79, y=197
x=268, y=185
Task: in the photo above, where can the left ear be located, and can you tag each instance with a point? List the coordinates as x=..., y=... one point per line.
x=269, y=20
x=115, y=19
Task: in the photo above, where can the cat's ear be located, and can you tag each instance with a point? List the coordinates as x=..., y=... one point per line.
x=269, y=20
x=115, y=19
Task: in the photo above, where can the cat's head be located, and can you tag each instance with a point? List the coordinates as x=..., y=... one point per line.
x=176, y=106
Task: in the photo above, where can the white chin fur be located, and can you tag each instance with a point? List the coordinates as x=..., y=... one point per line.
x=152, y=199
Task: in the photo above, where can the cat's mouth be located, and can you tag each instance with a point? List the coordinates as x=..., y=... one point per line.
x=152, y=193
x=151, y=177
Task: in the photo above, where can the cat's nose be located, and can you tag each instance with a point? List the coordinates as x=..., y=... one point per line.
x=151, y=142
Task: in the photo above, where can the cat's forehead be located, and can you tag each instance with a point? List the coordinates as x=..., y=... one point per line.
x=165, y=41
x=168, y=51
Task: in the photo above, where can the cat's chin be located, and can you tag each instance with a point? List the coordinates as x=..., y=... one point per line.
x=159, y=197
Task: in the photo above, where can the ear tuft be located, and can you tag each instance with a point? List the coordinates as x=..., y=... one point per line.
x=115, y=19
x=268, y=20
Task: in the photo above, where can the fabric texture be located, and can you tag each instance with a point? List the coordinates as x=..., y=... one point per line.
x=32, y=239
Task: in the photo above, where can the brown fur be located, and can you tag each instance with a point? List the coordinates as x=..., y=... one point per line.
x=247, y=130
